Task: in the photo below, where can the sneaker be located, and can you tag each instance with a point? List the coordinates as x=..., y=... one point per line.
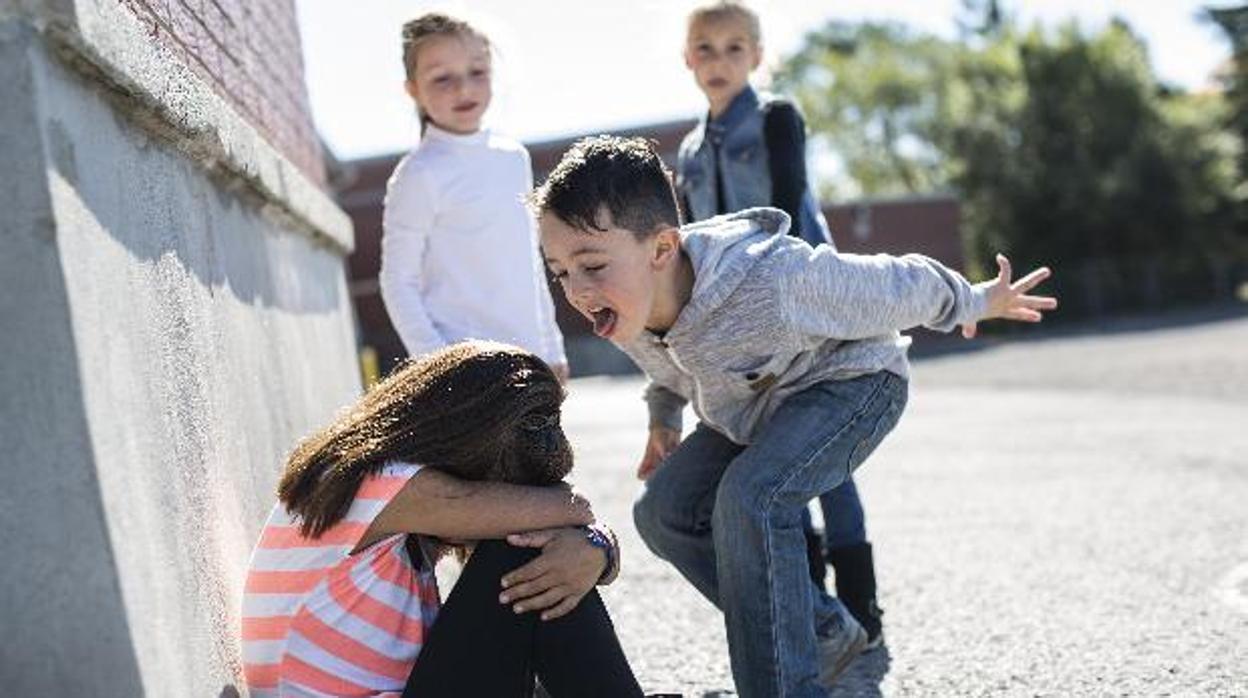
x=836, y=652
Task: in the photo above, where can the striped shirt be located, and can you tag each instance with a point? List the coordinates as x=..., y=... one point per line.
x=318, y=621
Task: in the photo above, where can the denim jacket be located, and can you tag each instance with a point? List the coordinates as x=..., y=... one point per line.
x=743, y=165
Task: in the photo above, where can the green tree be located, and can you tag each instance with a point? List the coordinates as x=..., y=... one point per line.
x=1234, y=22
x=1106, y=179
x=1062, y=146
x=981, y=17
x=871, y=91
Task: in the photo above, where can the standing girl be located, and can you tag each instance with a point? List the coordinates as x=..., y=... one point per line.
x=748, y=150
x=459, y=252
x=462, y=444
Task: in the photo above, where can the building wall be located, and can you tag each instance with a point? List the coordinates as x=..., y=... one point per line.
x=928, y=225
x=174, y=317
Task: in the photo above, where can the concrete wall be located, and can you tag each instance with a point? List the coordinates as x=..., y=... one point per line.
x=173, y=316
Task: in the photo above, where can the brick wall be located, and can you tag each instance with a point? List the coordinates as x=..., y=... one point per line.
x=249, y=52
x=928, y=225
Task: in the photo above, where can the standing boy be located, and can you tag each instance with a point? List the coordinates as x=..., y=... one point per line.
x=791, y=358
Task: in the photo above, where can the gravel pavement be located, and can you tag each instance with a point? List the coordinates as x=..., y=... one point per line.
x=1059, y=516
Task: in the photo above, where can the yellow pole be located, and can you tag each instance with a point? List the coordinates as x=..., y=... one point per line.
x=370, y=371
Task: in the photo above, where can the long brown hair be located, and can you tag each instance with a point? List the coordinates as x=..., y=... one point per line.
x=476, y=410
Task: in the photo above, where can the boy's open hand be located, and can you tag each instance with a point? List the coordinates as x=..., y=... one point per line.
x=661, y=443
x=555, y=581
x=1010, y=300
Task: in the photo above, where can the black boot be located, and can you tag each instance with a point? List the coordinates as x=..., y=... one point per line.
x=855, y=587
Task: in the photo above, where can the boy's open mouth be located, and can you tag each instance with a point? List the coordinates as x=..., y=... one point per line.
x=604, y=321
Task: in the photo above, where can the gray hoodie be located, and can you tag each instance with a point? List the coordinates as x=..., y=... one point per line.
x=770, y=316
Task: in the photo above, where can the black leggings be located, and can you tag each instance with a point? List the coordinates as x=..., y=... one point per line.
x=480, y=647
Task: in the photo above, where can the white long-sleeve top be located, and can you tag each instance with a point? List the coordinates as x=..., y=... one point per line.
x=459, y=254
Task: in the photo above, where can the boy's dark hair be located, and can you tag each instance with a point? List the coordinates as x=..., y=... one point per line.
x=476, y=410
x=623, y=176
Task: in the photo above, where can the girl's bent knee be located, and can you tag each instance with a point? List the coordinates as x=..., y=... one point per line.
x=500, y=556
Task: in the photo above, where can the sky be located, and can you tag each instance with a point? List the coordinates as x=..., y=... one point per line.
x=573, y=66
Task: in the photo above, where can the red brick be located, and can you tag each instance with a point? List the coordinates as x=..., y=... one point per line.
x=249, y=53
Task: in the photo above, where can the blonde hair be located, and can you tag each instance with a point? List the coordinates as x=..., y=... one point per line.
x=427, y=26
x=720, y=10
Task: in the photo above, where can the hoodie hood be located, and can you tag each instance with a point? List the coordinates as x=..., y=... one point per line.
x=723, y=250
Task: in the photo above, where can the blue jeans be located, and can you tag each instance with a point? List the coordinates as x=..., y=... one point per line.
x=729, y=517
x=844, y=522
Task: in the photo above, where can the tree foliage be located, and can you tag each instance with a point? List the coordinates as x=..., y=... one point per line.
x=1234, y=22
x=1062, y=145
x=872, y=92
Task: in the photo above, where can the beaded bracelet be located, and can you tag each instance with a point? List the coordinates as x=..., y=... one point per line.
x=599, y=539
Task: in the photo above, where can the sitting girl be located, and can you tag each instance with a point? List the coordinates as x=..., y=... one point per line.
x=461, y=445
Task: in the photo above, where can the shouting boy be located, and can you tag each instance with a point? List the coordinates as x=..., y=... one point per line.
x=792, y=360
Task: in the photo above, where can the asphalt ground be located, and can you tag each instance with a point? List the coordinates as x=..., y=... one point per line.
x=1065, y=514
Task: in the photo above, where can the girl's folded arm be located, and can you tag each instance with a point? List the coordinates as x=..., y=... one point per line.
x=437, y=504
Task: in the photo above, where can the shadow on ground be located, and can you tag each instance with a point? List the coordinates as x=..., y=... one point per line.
x=861, y=679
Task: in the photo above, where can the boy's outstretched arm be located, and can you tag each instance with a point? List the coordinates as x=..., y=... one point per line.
x=848, y=297
x=1010, y=300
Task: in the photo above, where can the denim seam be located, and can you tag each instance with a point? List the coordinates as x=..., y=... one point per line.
x=770, y=502
x=853, y=421
x=778, y=674
x=892, y=407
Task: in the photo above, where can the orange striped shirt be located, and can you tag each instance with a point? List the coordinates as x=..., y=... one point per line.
x=318, y=621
